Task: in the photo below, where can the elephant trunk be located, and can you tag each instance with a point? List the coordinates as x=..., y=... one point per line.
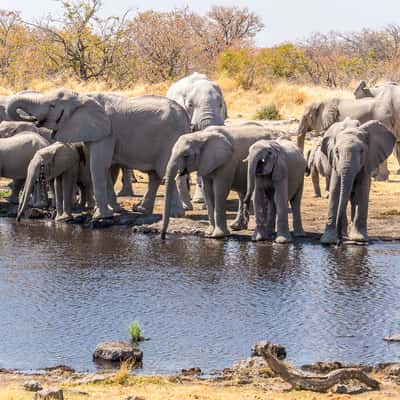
x=29, y=103
x=209, y=116
x=346, y=184
x=28, y=190
x=301, y=133
x=253, y=160
x=172, y=171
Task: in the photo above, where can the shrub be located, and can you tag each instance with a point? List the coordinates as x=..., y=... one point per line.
x=269, y=112
x=121, y=377
x=135, y=331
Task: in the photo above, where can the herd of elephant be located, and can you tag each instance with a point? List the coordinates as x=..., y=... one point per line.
x=63, y=140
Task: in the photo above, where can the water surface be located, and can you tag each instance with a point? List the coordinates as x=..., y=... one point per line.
x=63, y=289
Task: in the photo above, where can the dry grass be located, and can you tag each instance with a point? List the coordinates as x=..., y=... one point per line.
x=161, y=388
x=289, y=98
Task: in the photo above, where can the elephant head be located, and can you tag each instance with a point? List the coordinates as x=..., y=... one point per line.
x=362, y=91
x=205, y=105
x=71, y=116
x=203, y=152
x=351, y=149
x=264, y=159
x=40, y=167
x=11, y=128
x=318, y=116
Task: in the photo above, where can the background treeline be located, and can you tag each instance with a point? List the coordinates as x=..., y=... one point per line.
x=151, y=47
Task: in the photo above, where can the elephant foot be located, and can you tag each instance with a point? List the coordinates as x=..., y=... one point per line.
x=209, y=231
x=187, y=206
x=106, y=213
x=299, y=233
x=329, y=237
x=259, y=236
x=283, y=238
x=219, y=233
x=63, y=217
x=382, y=177
x=239, y=224
x=118, y=208
x=357, y=235
x=125, y=192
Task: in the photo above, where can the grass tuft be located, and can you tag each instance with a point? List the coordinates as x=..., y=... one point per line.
x=269, y=112
x=135, y=331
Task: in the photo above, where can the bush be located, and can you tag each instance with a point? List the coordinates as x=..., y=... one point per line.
x=135, y=331
x=269, y=112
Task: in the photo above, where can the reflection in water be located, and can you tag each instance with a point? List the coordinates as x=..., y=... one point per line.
x=63, y=289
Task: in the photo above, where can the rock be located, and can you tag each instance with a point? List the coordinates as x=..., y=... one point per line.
x=349, y=388
x=340, y=389
x=126, y=219
x=191, y=371
x=49, y=394
x=134, y=398
x=389, y=369
x=61, y=367
x=254, y=362
x=117, y=351
x=324, y=367
x=33, y=386
x=392, y=338
x=275, y=349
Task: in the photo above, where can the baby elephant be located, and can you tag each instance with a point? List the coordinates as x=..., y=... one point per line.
x=276, y=172
x=318, y=165
x=60, y=162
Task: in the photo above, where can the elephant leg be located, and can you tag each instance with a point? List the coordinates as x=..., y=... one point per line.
x=58, y=191
x=183, y=189
x=221, y=191
x=68, y=180
x=282, y=210
x=327, y=183
x=396, y=152
x=209, y=198
x=242, y=218
x=198, y=193
x=101, y=153
x=126, y=189
x=295, y=203
x=146, y=205
x=359, y=231
x=383, y=172
x=16, y=186
x=330, y=235
x=112, y=198
x=261, y=208
x=315, y=182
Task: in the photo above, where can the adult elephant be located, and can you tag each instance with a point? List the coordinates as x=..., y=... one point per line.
x=136, y=133
x=353, y=151
x=389, y=95
x=319, y=116
x=205, y=104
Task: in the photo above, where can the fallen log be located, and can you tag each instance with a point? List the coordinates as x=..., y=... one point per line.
x=317, y=383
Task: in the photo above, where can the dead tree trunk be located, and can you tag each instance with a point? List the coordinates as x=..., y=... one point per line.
x=317, y=383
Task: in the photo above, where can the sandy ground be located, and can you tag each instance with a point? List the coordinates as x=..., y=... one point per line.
x=114, y=386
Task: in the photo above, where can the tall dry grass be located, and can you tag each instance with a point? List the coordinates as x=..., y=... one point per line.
x=290, y=99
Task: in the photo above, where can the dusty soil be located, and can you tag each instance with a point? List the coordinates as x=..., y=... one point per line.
x=242, y=383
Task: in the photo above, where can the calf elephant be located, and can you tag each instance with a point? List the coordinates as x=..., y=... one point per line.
x=136, y=133
x=16, y=152
x=318, y=165
x=60, y=162
x=205, y=104
x=275, y=173
x=320, y=116
x=353, y=151
x=216, y=153
x=11, y=128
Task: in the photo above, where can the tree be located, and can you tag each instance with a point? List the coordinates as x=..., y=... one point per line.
x=81, y=40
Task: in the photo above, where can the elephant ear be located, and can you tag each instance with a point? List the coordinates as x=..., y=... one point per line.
x=85, y=121
x=380, y=143
x=216, y=150
x=224, y=110
x=279, y=172
x=327, y=145
x=329, y=113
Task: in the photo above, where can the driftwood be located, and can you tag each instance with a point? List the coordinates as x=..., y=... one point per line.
x=317, y=383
